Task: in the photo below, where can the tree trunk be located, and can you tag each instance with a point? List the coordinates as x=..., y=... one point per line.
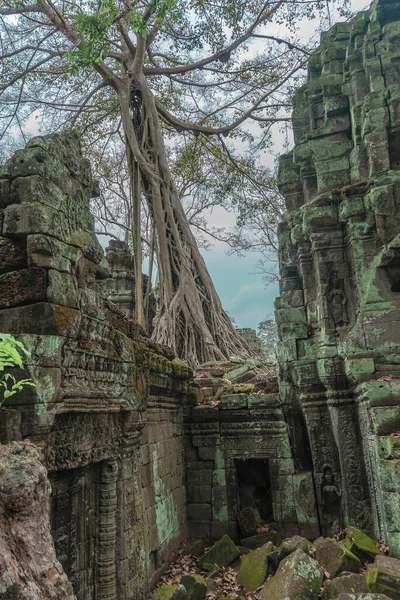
x=191, y=319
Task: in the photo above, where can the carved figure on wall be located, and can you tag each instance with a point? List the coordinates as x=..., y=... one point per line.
x=337, y=303
x=331, y=495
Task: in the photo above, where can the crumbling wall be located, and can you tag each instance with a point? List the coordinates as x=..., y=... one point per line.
x=236, y=416
x=339, y=307
x=105, y=397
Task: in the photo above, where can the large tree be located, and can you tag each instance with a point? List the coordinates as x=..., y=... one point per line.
x=140, y=68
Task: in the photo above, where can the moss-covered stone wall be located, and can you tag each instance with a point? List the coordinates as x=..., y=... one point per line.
x=106, y=409
x=339, y=308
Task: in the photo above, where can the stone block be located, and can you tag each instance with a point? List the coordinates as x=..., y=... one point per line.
x=253, y=569
x=25, y=286
x=335, y=558
x=199, y=512
x=62, y=289
x=383, y=576
x=199, y=477
x=199, y=493
x=346, y=583
x=13, y=255
x=298, y=576
x=222, y=553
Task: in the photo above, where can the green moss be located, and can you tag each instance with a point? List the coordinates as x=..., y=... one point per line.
x=195, y=586
x=357, y=542
x=243, y=389
x=170, y=592
x=222, y=554
x=253, y=569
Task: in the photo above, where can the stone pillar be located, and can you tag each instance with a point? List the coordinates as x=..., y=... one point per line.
x=107, y=529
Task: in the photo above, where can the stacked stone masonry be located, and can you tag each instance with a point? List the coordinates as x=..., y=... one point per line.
x=339, y=308
x=106, y=410
x=136, y=459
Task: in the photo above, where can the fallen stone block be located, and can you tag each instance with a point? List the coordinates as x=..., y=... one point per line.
x=299, y=577
x=360, y=544
x=383, y=576
x=222, y=554
x=336, y=558
x=253, y=568
x=289, y=545
x=349, y=583
x=195, y=586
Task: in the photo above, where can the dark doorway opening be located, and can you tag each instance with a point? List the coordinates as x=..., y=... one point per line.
x=254, y=486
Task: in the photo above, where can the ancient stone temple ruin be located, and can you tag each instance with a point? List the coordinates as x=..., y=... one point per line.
x=142, y=454
x=338, y=313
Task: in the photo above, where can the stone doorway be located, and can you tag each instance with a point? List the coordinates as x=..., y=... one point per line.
x=254, y=486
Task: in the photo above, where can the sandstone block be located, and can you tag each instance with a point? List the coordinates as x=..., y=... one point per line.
x=298, y=576
x=253, y=568
x=294, y=543
x=336, y=558
x=360, y=544
x=383, y=576
x=222, y=554
x=349, y=583
x=195, y=586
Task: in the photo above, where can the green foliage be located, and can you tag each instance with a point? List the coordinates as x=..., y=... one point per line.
x=268, y=333
x=10, y=357
x=95, y=27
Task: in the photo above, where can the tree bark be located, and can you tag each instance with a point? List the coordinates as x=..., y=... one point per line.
x=191, y=319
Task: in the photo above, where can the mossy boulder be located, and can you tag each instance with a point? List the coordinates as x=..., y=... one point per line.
x=350, y=583
x=222, y=554
x=383, y=576
x=360, y=544
x=170, y=592
x=253, y=568
x=299, y=577
x=289, y=545
x=195, y=586
x=336, y=558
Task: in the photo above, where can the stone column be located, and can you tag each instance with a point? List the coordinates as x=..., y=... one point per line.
x=107, y=529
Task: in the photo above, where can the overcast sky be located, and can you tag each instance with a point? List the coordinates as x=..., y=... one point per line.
x=242, y=293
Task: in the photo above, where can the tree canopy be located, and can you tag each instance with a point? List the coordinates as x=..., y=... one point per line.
x=143, y=72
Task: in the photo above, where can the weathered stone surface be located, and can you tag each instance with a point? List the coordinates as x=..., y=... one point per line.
x=106, y=409
x=195, y=586
x=383, y=576
x=248, y=520
x=253, y=568
x=339, y=306
x=170, y=592
x=336, y=558
x=360, y=544
x=222, y=554
x=256, y=541
x=289, y=545
x=349, y=583
x=23, y=287
x=13, y=255
x=28, y=564
x=298, y=576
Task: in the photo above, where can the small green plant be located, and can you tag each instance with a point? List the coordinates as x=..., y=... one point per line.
x=11, y=353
